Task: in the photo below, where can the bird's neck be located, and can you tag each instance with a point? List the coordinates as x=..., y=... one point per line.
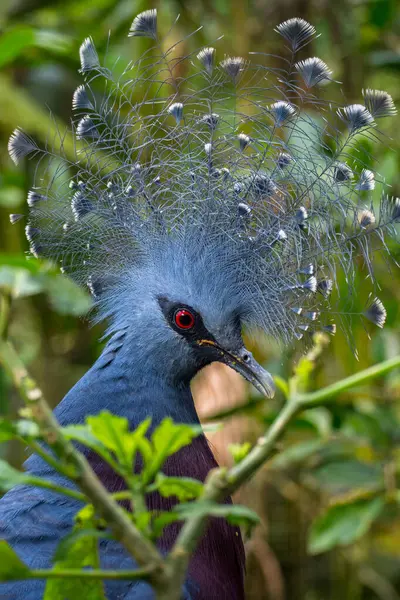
x=126, y=381
x=131, y=387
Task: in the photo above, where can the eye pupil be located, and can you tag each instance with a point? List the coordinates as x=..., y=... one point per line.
x=184, y=319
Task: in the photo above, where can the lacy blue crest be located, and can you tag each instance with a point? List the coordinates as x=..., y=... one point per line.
x=223, y=176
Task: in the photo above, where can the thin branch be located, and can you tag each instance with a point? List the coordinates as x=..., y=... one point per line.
x=166, y=577
x=222, y=482
x=57, y=489
x=331, y=391
x=242, y=409
x=144, y=574
x=80, y=471
x=37, y=449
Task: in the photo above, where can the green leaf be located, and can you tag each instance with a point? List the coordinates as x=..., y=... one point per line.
x=296, y=454
x=83, y=435
x=184, y=488
x=66, y=297
x=68, y=543
x=162, y=520
x=13, y=42
x=142, y=521
x=85, y=517
x=19, y=282
x=112, y=432
x=239, y=451
x=79, y=549
x=23, y=428
x=348, y=474
x=343, y=524
x=11, y=566
x=10, y=477
x=13, y=259
x=235, y=514
x=168, y=438
x=66, y=589
x=138, y=442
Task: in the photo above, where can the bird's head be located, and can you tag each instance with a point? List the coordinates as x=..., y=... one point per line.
x=201, y=344
x=183, y=312
x=191, y=219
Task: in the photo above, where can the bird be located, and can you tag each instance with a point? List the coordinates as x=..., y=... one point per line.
x=208, y=195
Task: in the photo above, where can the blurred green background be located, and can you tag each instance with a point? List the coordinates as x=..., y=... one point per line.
x=339, y=469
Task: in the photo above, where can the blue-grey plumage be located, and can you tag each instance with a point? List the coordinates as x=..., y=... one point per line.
x=192, y=213
x=130, y=379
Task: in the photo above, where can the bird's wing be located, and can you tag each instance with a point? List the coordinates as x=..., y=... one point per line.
x=33, y=521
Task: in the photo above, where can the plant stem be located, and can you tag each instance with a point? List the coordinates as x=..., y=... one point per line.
x=37, y=449
x=57, y=489
x=144, y=574
x=241, y=472
x=221, y=483
x=122, y=495
x=145, y=553
x=166, y=577
x=331, y=391
x=261, y=452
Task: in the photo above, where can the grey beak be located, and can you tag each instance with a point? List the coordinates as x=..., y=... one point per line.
x=243, y=362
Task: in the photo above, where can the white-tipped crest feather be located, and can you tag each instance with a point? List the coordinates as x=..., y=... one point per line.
x=233, y=202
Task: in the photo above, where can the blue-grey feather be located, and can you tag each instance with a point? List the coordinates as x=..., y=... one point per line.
x=220, y=213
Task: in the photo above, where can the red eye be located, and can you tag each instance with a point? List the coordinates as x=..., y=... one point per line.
x=184, y=319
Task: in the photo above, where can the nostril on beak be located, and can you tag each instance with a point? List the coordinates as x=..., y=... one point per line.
x=246, y=358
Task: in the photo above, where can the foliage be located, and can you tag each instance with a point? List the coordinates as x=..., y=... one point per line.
x=110, y=437
x=343, y=524
x=336, y=472
x=138, y=457
x=11, y=566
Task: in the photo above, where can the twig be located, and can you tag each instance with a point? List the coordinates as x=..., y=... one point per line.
x=331, y=391
x=221, y=482
x=81, y=473
x=242, y=409
x=167, y=577
x=143, y=574
x=37, y=449
x=57, y=489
